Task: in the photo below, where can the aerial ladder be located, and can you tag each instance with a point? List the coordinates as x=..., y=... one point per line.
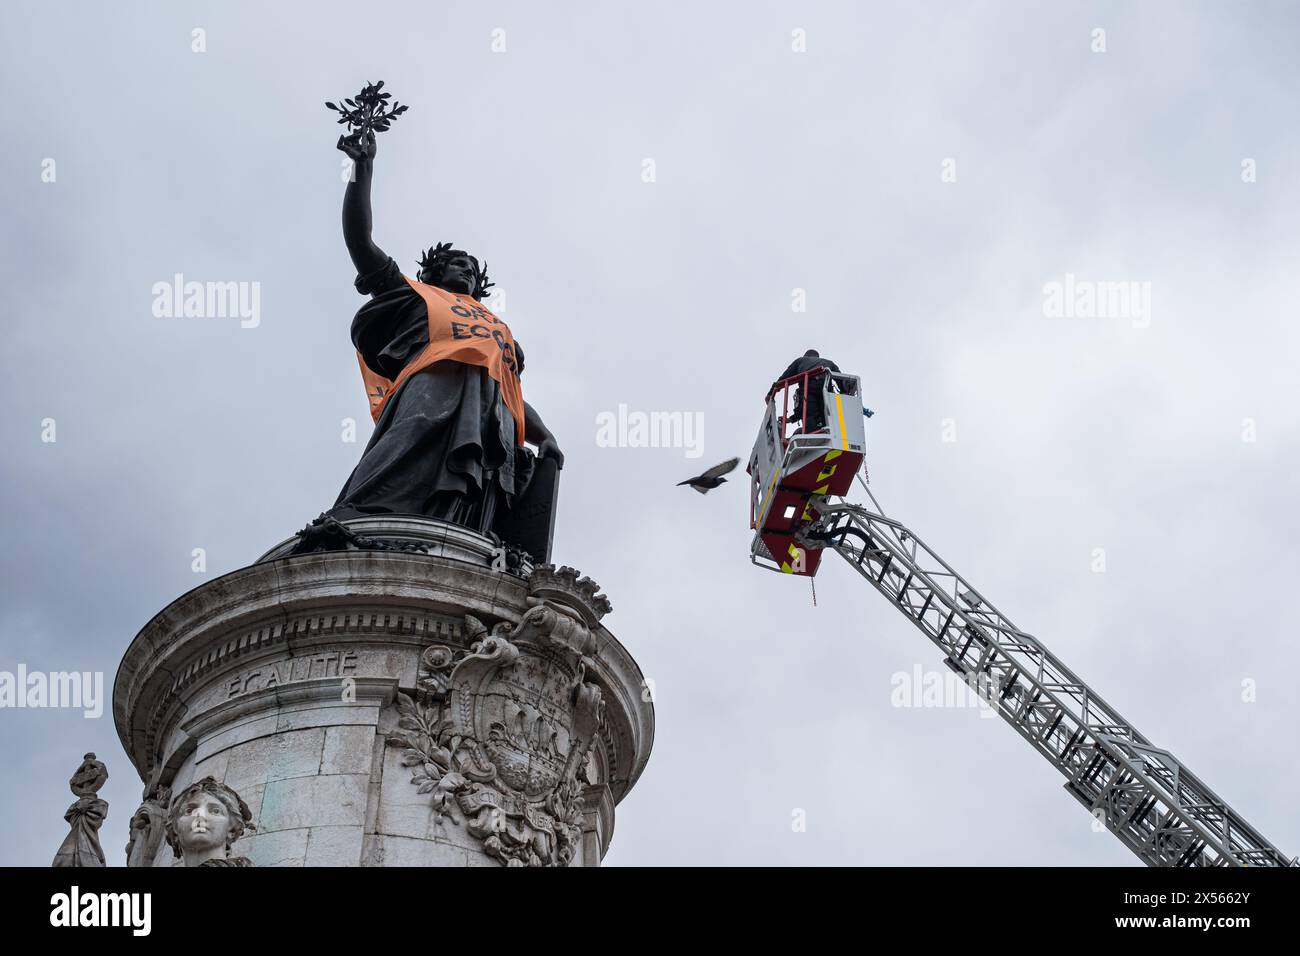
x=810, y=449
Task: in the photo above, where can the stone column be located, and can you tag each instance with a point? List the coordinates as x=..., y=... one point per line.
x=414, y=700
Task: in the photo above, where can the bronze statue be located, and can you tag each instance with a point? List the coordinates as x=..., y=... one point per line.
x=442, y=373
x=81, y=846
x=204, y=820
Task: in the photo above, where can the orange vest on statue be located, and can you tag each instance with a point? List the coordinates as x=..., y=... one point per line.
x=460, y=330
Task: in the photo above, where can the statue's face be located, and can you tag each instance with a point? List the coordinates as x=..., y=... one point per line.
x=202, y=823
x=458, y=275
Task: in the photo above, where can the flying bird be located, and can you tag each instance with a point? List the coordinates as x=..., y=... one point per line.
x=711, y=478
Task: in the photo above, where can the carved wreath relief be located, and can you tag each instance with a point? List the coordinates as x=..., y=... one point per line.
x=499, y=735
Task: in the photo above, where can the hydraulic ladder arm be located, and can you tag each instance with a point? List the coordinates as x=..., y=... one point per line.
x=1143, y=794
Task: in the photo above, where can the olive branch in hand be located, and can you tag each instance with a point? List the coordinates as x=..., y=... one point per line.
x=368, y=113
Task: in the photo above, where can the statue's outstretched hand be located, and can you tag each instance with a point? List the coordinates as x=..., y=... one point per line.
x=359, y=147
x=550, y=449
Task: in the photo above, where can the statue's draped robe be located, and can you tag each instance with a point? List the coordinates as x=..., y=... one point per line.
x=445, y=444
x=81, y=846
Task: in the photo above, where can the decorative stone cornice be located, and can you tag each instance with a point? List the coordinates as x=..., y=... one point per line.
x=409, y=534
x=566, y=587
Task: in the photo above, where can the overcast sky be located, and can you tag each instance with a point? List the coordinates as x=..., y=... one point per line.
x=774, y=170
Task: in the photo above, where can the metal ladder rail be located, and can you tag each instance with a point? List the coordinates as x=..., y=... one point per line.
x=1143, y=794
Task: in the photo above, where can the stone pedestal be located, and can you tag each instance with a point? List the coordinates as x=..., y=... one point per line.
x=408, y=701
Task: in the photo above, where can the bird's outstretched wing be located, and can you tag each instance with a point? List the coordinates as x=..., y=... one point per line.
x=717, y=471
x=701, y=489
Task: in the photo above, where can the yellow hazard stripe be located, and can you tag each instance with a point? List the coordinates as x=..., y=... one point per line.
x=776, y=473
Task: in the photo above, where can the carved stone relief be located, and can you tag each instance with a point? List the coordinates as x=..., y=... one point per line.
x=499, y=736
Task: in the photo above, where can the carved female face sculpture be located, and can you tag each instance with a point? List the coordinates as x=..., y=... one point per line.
x=204, y=820
x=202, y=824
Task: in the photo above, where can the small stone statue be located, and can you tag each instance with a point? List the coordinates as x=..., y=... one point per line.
x=204, y=820
x=148, y=826
x=81, y=846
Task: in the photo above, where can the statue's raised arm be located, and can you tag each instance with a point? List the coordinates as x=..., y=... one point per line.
x=365, y=115
x=357, y=217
